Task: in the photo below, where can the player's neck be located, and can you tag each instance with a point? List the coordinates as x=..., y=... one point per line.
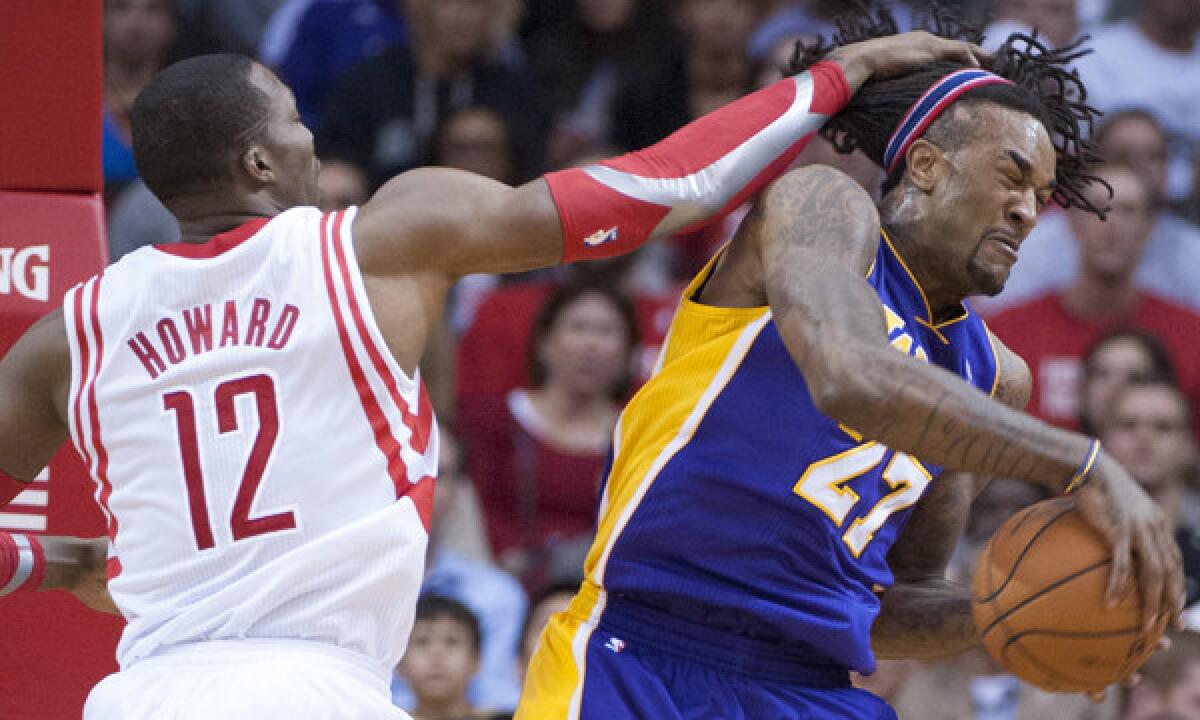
x=1168, y=36
x=945, y=300
x=201, y=218
x=1093, y=296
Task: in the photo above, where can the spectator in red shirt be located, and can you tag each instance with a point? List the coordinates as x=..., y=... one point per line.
x=491, y=351
x=1052, y=331
x=537, y=454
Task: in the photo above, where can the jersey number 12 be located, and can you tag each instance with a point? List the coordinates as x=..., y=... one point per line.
x=240, y=523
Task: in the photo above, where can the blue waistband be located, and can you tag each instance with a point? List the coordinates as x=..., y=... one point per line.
x=719, y=649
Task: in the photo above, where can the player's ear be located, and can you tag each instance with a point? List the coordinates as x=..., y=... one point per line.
x=256, y=162
x=924, y=164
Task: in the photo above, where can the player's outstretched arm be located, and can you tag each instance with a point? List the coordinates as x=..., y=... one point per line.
x=815, y=233
x=450, y=223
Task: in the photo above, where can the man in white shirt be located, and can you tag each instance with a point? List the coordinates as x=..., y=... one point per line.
x=1152, y=60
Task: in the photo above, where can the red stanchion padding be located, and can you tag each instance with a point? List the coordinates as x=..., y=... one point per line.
x=51, y=92
x=55, y=649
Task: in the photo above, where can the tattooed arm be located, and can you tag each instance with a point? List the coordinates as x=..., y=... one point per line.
x=924, y=615
x=805, y=249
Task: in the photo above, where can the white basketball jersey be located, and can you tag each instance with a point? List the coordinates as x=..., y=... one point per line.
x=264, y=464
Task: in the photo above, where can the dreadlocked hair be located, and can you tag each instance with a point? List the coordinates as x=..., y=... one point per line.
x=1043, y=85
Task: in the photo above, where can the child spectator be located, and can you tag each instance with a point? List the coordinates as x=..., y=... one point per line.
x=442, y=657
x=493, y=597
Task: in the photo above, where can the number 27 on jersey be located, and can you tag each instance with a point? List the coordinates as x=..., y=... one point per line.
x=826, y=484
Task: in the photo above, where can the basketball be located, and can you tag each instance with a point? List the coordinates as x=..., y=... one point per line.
x=1038, y=601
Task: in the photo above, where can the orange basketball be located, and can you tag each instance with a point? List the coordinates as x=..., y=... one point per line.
x=1038, y=601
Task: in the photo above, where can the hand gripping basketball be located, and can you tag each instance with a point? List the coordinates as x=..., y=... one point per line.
x=1040, y=603
x=1145, y=556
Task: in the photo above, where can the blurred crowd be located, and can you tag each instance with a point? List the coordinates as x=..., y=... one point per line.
x=528, y=373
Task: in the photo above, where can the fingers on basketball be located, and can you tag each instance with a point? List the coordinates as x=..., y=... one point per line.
x=1039, y=604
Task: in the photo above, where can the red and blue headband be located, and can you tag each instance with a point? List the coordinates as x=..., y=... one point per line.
x=935, y=100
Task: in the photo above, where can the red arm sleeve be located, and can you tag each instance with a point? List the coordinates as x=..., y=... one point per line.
x=699, y=173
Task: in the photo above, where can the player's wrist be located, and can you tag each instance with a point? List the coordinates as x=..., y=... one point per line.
x=856, y=66
x=1086, y=470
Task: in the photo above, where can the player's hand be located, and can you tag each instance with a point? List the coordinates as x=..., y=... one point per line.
x=1145, y=555
x=897, y=54
x=77, y=566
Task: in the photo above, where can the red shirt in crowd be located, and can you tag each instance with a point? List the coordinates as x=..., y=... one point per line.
x=532, y=493
x=1053, y=342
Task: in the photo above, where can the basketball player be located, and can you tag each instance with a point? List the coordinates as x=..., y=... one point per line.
x=248, y=401
x=819, y=376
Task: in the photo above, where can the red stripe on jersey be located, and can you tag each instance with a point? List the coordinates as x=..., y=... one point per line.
x=97, y=442
x=422, y=498
x=419, y=426
x=384, y=440
x=424, y=415
x=112, y=567
x=84, y=370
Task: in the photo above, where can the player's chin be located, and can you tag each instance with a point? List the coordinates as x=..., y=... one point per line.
x=989, y=281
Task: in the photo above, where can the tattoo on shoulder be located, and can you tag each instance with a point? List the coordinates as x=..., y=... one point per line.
x=816, y=205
